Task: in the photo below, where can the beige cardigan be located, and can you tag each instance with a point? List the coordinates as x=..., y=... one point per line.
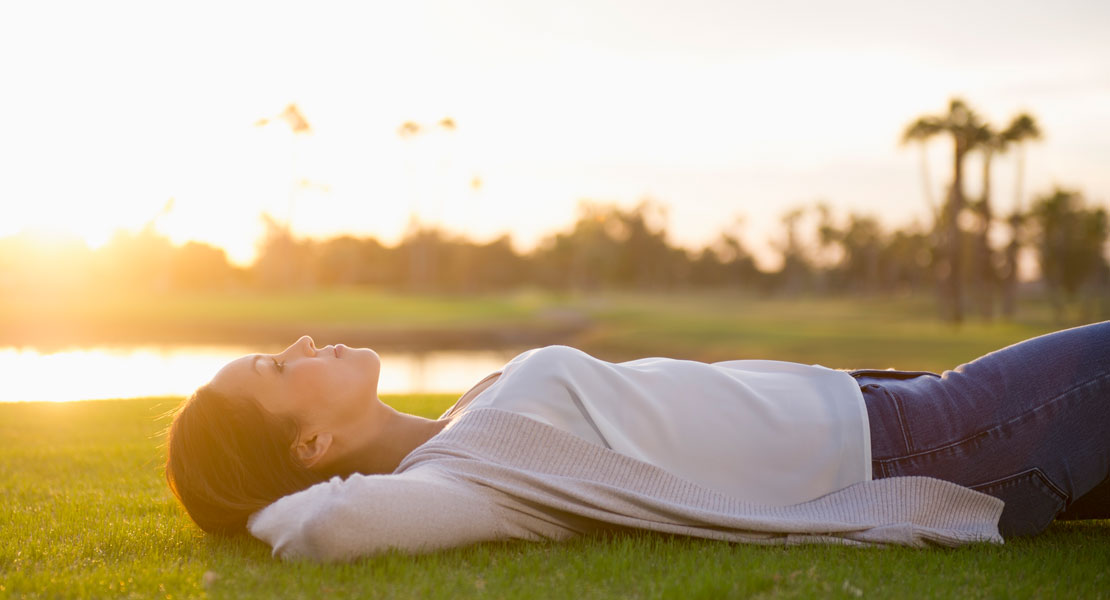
x=494, y=475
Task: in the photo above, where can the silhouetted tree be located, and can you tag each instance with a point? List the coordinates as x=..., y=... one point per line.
x=725, y=262
x=586, y=257
x=497, y=266
x=347, y=260
x=906, y=263
x=283, y=261
x=1070, y=241
x=420, y=250
x=965, y=129
x=797, y=270
x=1022, y=129
x=981, y=277
x=199, y=266
x=136, y=261
x=860, y=243
x=421, y=242
x=984, y=276
x=645, y=257
x=920, y=132
x=610, y=247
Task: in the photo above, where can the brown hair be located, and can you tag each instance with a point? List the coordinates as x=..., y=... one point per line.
x=228, y=457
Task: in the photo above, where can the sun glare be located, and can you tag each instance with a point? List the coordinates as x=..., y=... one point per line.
x=95, y=373
x=541, y=113
x=143, y=371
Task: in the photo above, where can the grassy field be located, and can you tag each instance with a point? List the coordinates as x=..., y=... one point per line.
x=86, y=513
x=837, y=332
x=266, y=317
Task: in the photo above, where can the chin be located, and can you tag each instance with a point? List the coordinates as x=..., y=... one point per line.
x=366, y=355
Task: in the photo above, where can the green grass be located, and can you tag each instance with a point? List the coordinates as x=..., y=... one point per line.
x=85, y=513
x=902, y=333
x=329, y=306
x=836, y=332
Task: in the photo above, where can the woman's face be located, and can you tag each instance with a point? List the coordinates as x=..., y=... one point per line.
x=317, y=387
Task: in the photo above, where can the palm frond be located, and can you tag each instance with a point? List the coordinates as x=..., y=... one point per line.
x=1022, y=127
x=922, y=129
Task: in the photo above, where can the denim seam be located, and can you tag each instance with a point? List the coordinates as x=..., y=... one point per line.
x=1036, y=472
x=897, y=402
x=996, y=427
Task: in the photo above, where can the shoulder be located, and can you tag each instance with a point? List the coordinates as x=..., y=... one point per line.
x=548, y=361
x=554, y=353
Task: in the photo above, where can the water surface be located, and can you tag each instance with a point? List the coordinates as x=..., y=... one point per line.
x=90, y=373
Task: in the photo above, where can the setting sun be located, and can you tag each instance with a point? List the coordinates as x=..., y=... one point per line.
x=709, y=298
x=711, y=114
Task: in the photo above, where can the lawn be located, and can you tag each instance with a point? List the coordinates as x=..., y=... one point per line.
x=264, y=317
x=849, y=332
x=86, y=513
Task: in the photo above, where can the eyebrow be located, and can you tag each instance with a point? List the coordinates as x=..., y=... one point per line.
x=254, y=363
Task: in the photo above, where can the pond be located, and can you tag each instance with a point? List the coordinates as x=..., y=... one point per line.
x=90, y=373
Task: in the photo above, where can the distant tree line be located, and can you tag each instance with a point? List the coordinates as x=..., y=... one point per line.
x=606, y=248
x=609, y=247
x=1069, y=237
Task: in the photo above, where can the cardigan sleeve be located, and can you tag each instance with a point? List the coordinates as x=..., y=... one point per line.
x=415, y=511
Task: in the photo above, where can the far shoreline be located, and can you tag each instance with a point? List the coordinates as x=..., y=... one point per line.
x=409, y=339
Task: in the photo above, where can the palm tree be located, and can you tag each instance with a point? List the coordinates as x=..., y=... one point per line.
x=983, y=275
x=1023, y=128
x=298, y=124
x=920, y=131
x=964, y=126
x=422, y=262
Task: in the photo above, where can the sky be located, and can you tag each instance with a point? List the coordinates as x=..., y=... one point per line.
x=726, y=113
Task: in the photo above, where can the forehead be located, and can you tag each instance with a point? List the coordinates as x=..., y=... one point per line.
x=237, y=376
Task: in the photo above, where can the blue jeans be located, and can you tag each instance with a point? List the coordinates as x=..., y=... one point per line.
x=1029, y=424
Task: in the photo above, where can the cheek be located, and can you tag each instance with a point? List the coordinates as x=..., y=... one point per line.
x=304, y=389
x=322, y=386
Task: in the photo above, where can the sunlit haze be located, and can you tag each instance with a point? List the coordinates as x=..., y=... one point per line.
x=131, y=372
x=714, y=109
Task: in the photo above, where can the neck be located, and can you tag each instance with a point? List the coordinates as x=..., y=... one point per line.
x=383, y=441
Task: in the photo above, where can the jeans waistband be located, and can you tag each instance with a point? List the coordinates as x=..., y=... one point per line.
x=888, y=373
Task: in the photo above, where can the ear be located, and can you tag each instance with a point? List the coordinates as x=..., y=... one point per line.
x=311, y=450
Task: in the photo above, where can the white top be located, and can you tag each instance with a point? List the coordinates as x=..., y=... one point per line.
x=767, y=432
x=495, y=475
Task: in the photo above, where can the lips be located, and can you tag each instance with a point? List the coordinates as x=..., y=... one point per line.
x=336, y=349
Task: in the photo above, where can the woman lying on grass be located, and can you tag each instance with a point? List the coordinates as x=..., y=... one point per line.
x=297, y=449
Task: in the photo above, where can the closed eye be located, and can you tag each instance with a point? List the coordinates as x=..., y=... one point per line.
x=280, y=366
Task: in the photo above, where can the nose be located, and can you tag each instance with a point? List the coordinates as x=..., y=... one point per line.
x=304, y=345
